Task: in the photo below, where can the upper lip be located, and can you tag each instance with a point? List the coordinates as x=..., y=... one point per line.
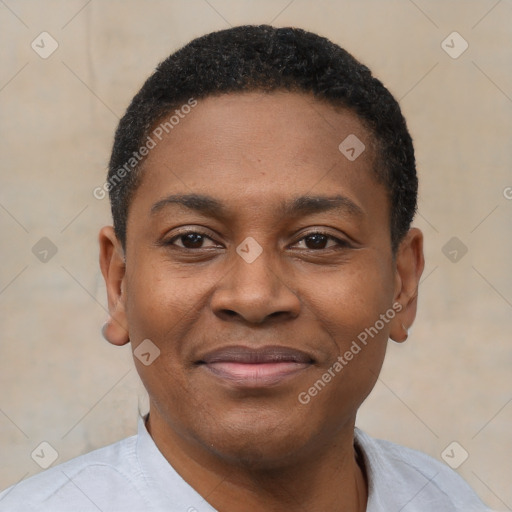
x=261, y=355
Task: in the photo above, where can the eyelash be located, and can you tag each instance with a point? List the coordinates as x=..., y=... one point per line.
x=340, y=243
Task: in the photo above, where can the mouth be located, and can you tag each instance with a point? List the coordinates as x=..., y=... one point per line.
x=249, y=367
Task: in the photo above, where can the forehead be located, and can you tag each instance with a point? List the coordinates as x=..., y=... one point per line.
x=254, y=149
x=276, y=122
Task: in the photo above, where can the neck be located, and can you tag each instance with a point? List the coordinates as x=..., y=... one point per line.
x=328, y=478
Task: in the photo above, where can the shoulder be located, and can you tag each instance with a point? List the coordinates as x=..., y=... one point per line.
x=83, y=483
x=403, y=477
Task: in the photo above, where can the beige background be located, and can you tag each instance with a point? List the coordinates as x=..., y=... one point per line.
x=61, y=383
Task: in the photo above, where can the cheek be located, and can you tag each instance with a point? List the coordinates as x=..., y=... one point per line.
x=160, y=307
x=159, y=302
x=353, y=306
x=164, y=305
x=351, y=300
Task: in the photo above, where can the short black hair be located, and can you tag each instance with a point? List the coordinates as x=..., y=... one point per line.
x=264, y=58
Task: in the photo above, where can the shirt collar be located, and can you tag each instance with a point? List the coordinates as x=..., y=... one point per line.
x=167, y=489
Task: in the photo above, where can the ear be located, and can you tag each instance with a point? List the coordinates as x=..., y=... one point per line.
x=410, y=263
x=112, y=264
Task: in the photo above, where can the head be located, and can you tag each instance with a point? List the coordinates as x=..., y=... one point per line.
x=262, y=185
x=263, y=58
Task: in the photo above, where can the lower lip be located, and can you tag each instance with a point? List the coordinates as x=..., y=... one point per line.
x=255, y=374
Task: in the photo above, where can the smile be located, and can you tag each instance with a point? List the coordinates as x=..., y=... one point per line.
x=248, y=367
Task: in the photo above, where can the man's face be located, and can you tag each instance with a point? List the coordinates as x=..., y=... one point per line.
x=251, y=294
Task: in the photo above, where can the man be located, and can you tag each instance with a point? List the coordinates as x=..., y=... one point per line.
x=262, y=185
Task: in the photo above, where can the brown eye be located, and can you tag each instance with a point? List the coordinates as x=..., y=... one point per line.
x=191, y=240
x=319, y=241
x=316, y=241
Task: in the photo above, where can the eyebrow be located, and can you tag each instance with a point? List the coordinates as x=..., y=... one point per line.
x=299, y=206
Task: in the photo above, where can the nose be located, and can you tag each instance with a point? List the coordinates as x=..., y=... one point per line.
x=255, y=292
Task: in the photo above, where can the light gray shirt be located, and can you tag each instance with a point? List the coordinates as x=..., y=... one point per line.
x=133, y=476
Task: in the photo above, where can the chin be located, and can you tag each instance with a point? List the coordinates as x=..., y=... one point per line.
x=261, y=444
x=262, y=454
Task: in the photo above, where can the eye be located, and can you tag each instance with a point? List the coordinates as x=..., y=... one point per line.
x=312, y=241
x=190, y=240
x=318, y=240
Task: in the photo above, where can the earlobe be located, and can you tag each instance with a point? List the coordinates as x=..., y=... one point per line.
x=115, y=333
x=410, y=263
x=399, y=335
x=112, y=264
